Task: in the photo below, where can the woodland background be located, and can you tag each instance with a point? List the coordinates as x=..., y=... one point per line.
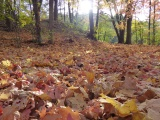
x=116, y=21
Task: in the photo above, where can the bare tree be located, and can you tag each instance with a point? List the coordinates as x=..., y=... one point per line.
x=51, y=21
x=55, y=10
x=36, y=10
x=154, y=22
x=97, y=17
x=69, y=11
x=149, y=24
x=91, y=22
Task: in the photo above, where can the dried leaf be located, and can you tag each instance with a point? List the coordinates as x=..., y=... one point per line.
x=1, y=110
x=4, y=96
x=138, y=116
x=123, y=109
x=6, y=63
x=90, y=76
x=44, y=96
x=77, y=102
x=42, y=112
x=68, y=113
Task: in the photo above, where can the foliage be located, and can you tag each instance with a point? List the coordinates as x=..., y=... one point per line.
x=79, y=79
x=141, y=29
x=25, y=19
x=105, y=31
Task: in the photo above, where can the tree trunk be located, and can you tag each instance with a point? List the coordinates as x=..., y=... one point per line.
x=119, y=32
x=149, y=24
x=121, y=36
x=64, y=14
x=70, y=14
x=61, y=10
x=136, y=29
x=30, y=7
x=10, y=16
x=141, y=34
x=56, y=10
x=51, y=21
x=2, y=7
x=76, y=15
x=115, y=28
x=129, y=30
x=18, y=39
x=154, y=23
x=91, y=22
x=97, y=17
x=36, y=9
x=128, y=15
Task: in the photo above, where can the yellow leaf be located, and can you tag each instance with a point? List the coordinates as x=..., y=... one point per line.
x=115, y=103
x=6, y=63
x=123, y=110
x=128, y=107
x=153, y=81
x=89, y=51
x=28, y=60
x=90, y=76
x=4, y=96
x=110, y=118
x=45, y=97
x=3, y=82
x=69, y=62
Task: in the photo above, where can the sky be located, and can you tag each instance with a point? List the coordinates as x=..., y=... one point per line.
x=84, y=7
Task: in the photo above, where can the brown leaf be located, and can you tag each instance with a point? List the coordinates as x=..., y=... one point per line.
x=149, y=94
x=19, y=84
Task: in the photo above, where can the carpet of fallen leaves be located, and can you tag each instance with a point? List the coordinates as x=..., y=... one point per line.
x=78, y=79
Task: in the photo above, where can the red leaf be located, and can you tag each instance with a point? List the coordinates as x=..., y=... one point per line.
x=1, y=111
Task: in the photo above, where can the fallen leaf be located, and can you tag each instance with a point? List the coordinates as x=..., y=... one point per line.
x=42, y=112
x=8, y=113
x=68, y=113
x=90, y=76
x=153, y=108
x=6, y=63
x=149, y=94
x=1, y=110
x=69, y=62
x=138, y=116
x=25, y=115
x=44, y=96
x=124, y=109
x=4, y=96
x=76, y=102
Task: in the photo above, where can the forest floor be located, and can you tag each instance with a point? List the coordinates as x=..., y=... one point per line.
x=78, y=79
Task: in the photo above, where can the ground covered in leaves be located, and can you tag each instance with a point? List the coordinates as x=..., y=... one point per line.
x=78, y=79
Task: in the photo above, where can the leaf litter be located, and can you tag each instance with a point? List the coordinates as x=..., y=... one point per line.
x=79, y=80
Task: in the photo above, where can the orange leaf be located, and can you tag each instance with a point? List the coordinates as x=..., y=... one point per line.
x=68, y=114
x=42, y=112
x=90, y=76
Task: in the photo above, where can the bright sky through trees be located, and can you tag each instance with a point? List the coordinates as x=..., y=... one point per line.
x=84, y=7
